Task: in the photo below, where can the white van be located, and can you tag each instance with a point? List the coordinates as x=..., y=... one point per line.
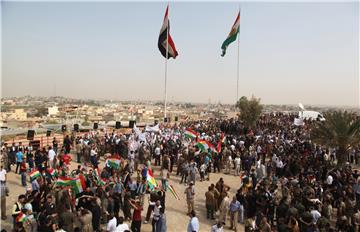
x=311, y=115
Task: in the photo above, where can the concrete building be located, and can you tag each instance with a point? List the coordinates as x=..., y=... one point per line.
x=18, y=114
x=53, y=111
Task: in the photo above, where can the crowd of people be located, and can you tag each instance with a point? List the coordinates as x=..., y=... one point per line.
x=286, y=182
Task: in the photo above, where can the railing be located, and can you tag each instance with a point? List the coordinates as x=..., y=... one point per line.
x=47, y=140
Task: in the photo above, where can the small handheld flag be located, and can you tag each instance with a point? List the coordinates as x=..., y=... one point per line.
x=34, y=174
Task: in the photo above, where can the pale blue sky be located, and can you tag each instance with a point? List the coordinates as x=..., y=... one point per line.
x=289, y=52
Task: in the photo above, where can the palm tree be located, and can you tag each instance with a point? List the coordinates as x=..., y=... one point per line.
x=340, y=130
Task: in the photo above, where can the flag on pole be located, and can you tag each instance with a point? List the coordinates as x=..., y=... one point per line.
x=191, y=134
x=172, y=190
x=150, y=179
x=34, y=174
x=165, y=41
x=232, y=35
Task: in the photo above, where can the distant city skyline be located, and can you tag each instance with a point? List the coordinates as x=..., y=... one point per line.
x=289, y=52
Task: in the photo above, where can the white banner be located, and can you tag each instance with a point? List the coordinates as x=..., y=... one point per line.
x=298, y=122
x=152, y=129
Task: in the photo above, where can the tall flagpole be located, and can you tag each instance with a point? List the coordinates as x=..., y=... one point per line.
x=166, y=58
x=237, y=70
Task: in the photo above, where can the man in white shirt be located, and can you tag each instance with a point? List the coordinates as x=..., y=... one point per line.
x=329, y=180
x=156, y=216
x=122, y=226
x=274, y=159
x=279, y=167
x=316, y=214
x=52, y=157
x=93, y=156
x=2, y=175
x=3, y=193
x=228, y=164
x=111, y=225
x=157, y=155
x=218, y=227
x=237, y=165
x=193, y=225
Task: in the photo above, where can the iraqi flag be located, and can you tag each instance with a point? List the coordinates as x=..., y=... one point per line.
x=165, y=41
x=232, y=35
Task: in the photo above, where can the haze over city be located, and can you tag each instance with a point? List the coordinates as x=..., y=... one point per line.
x=289, y=52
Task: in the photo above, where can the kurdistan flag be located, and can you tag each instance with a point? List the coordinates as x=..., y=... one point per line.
x=232, y=35
x=34, y=174
x=79, y=185
x=150, y=179
x=64, y=181
x=113, y=162
x=191, y=134
x=203, y=145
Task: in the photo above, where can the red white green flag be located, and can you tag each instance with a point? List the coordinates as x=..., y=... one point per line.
x=52, y=171
x=218, y=147
x=189, y=133
x=21, y=217
x=64, y=181
x=113, y=162
x=150, y=179
x=232, y=35
x=34, y=174
x=102, y=181
x=203, y=145
x=79, y=184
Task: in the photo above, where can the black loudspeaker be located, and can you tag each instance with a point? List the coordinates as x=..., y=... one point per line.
x=48, y=133
x=176, y=118
x=156, y=122
x=165, y=119
x=132, y=123
x=117, y=125
x=63, y=128
x=96, y=126
x=76, y=127
x=30, y=135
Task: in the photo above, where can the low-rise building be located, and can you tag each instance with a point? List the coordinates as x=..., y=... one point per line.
x=53, y=111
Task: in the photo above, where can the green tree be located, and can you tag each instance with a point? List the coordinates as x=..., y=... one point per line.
x=250, y=110
x=41, y=111
x=85, y=123
x=340, y=130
